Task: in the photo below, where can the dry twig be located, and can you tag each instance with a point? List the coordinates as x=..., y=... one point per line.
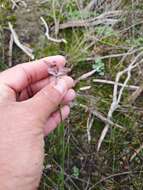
x=28, y=51
x=10, y=51
x=136, y=152
x=117, y=93
x=90, y=121
x=99, y=116
x=135, y=95
x=95, y=4
x=15, y=3
x=114, y=175
x=106, y=18
x=91, y=5
x=124, y=55
x=85, y=76
x=131, y=87
x=85, y=88
x=47, y=33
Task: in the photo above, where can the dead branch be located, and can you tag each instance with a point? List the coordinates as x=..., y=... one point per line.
x=131, y=87
x=124, y=55
x=136, y=152
x=47, y=33
x=85, y=76
x=95, y=4
x=99, y=116
x=90, y=121
x=15, y=3
x=135, y=95
x=114, y=175
x=28, y=51
x=91, y=5
x=117, y=93
x=106, y=18
x=10, y=51
x=84, y=88
x=84, y=23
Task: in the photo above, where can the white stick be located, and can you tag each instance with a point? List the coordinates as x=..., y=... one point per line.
x=90, y=121
x=118, y=95
x=47, y=33
x=132, y=87
x=10, y=51
x=86, y=75
x=28, y=51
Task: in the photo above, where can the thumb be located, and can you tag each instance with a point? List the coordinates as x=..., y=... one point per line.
x=47, y=100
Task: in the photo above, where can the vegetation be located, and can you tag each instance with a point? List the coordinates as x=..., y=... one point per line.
x=106, y=37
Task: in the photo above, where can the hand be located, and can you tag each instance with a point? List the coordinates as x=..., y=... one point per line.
x=28, y=110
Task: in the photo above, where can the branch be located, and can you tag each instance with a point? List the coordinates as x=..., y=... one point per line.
x=110, y=56
x=117, y=94
x=90, y=121
x=106, y=18
x=137, y=151
x=100, y=116
x=28, y=51
x=131, y=87
x=10, y=51
x=15, y=3
x=85, y=76
x=47, y=33
x=91, y=5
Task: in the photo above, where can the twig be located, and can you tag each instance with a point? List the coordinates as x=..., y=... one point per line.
x=136, y=152
x=112, y=55
x=91, y=5
x=135, y=95
x=28, y=51
x=83, y=23
x=90, y=121
x=105, y=18
x=114, y=175
x=85, y=76
x=118, y=95
x=47, y=33
x=80, y=4
x=99, y=116
x=132, y=87
x=15, y=3
x=95, y=4
x=85, y=88
x=10, y=51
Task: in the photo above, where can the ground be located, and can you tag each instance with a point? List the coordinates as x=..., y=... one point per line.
x=108, y=44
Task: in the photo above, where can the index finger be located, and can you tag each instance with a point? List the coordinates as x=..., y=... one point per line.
x=22, y=75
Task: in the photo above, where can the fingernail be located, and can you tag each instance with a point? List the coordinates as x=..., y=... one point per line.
x=61, y=86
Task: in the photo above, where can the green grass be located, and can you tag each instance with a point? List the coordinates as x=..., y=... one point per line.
x=61, y=153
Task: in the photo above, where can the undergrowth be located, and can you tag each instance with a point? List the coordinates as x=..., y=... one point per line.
x=70, y=161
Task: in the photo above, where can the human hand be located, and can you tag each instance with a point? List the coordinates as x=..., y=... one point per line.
x=29, y=99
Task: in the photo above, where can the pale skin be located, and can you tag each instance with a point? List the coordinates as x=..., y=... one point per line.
x=29, y=101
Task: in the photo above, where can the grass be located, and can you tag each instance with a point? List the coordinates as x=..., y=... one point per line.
x=61, y=154
x=70, y=161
